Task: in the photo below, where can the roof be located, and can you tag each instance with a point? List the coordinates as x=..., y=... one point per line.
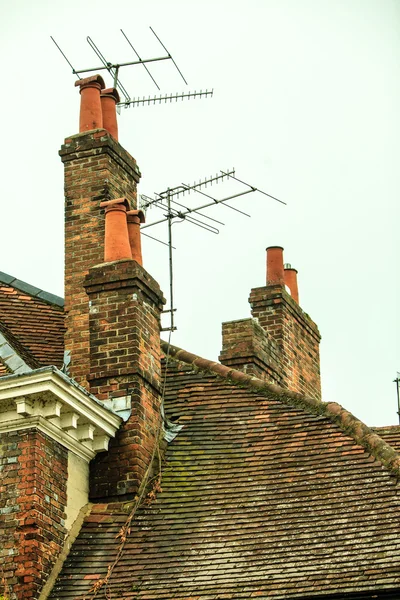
x=264, y=494
x=391, y=435
x=31, y=326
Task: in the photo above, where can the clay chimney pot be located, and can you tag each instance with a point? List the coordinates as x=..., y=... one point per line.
x=290, y=276
x=90, y=116
x=116, y=243
x=109, y=99
x=135, y=217
x=275, y=275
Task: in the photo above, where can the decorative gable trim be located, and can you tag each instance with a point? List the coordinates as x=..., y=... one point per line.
x=48, y=400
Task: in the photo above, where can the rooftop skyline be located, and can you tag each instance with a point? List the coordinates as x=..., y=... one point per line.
x=304, y=107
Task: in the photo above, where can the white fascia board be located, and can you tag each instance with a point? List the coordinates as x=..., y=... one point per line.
x=51, y=380
x=53, y=403
x=54, y=432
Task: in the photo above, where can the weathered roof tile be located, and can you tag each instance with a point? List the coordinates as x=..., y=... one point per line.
x=32, y=322
x=264, y=495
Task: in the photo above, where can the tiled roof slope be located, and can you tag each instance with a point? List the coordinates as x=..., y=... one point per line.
x=264, y=495
x=32, y=321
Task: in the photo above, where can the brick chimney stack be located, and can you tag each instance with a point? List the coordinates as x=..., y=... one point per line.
x=280, y=343
x=125, y=367
x=112, y=304
x=96, y=169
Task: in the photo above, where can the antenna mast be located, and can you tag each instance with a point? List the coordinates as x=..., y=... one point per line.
x=168, y=201
x=397, y=382
x=114, y=70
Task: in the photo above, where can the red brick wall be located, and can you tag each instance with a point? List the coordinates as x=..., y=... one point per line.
x=125, y=307
x=97, y=168
x=296, y=335
x=33, y=479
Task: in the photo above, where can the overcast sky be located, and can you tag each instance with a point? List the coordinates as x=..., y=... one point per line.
x=305, y=107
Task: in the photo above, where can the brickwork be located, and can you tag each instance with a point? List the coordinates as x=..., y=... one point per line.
x=245, y=346
x=125, y=307
x=33, y=477
x=97, y=168
x=280, y=344
x=295, y=334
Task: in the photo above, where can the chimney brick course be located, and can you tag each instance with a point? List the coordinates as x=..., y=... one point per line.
x=296, y=335
x=281, y=343
x=124, y=323
x=97, y=169
x=247, y=348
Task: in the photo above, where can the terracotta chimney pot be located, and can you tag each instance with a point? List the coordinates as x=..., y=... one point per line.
x=116, y=242
x=135, y=217
x=109, y=99
x=275, y=275
x=290, y=276
x=90, y=116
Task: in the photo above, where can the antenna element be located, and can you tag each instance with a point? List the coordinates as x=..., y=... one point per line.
x=174, y=210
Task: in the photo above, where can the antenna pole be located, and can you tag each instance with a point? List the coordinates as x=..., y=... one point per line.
x=171, y=281
x=165, y=200
x=397, y=382
x=116, y=77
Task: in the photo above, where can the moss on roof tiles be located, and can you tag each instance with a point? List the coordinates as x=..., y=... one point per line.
x=262, y=496
x=361, y=433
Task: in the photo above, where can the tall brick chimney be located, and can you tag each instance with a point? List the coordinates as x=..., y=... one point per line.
x=125, y=305
x=280, y=343
x=52, y=431
x=113, y=305
x=97, y=169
